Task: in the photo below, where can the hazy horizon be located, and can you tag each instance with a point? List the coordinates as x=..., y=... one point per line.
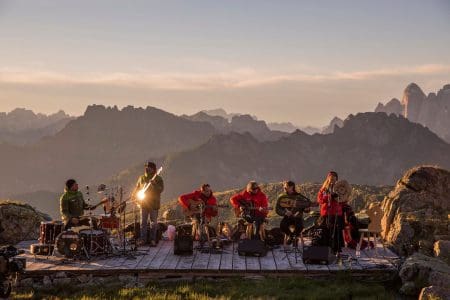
x=294, y=61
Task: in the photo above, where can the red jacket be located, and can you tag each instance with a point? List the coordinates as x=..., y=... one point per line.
x=328, y=206
x=259, y=200
x=197, y=195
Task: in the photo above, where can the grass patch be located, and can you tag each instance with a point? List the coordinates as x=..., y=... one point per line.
x=235, y=288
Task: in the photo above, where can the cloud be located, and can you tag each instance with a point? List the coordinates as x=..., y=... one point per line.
x=238, y=78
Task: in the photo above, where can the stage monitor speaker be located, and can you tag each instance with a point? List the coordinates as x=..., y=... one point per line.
x=319, y=255
x=252, y=248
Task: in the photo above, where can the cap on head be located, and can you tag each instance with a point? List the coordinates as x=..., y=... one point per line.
x=150, y=164
x=70, y=183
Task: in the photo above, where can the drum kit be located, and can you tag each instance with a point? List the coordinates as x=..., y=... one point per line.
x=95, y=235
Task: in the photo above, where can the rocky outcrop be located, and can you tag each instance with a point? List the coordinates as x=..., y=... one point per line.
x=415, y=212
x=19, y=222
x=432, y=111
x=336, y=122
x=392, y=107
x=420, y=271
x=413, y=99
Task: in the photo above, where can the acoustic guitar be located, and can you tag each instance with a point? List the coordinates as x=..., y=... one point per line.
x=197, y=206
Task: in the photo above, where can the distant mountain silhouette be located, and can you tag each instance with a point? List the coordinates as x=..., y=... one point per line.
x=334, y=122
x=97, y=145
x=432, y=111
x=240, y=124
x=22, y=126
x=370, y=148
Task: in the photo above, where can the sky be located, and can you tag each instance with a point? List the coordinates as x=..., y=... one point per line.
x=286, y=61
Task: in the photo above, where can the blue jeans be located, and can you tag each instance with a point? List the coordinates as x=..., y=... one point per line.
x=145, y=212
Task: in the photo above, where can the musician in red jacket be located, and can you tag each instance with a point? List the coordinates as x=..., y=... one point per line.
x=331, y=212
x=200, y=205
x=252, y=205
x=192, y=203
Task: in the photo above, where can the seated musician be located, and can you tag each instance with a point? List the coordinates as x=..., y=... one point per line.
x=72, y=205
x=198, y=205
x=291, y=205
x=252, y=205
x=331, y=212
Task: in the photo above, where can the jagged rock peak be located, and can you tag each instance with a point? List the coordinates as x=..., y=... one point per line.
x=413, y=88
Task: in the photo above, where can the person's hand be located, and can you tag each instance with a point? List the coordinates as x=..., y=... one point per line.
x=288, y=213
x=241, y=209
x=75, y=221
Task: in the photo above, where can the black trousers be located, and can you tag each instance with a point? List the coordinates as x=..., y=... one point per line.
x=286, y=222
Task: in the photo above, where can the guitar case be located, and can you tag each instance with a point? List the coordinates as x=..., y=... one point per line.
x=252, y=248
x=184, y=241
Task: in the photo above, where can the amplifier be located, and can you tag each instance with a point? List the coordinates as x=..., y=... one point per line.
x=319, y=255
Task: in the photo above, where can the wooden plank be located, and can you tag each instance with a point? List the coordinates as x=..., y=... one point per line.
x=317, y=268
x=267, y=262
x=252, y=263
x=226, y=259
x=238, y=261
x=164, y=250
x=281, y=260
x=171, y=261
x=296, y=264
x=214, y=261
x=138, y=257
x=147, y=259
x=201, y=261
x=185, y=262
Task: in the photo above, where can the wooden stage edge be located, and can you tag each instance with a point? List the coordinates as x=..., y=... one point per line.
x=160, y=262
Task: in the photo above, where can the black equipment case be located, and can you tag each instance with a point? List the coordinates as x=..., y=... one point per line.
x=252, y=248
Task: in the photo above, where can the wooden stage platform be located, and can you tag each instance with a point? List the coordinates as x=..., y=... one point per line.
x=161, y=262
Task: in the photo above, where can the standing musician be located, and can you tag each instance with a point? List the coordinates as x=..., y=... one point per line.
x=150, y=203
x=197, y=205
x=72, y=205
x=291, y=205
x=331, y=212
x=252, y=205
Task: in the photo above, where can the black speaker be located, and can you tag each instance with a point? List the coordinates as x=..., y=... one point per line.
x=318, y=255
x=252, y=248
x=184, y=241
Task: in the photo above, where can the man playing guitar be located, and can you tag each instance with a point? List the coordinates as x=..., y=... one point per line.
x=291, y=205
x=252, y=205
x=200, y=205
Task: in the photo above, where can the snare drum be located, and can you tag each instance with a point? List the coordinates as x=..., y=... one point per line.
x=109, y=222
x=48, y=231
x=69, y=243
x=95, y=241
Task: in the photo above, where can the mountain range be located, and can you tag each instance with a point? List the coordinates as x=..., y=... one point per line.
x=97, y=145
x=432, y=110
x=22, y=126
x=370, y=148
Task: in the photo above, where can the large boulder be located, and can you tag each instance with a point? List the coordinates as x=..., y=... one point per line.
x=420, y=271
x=19, y=222
x=416, y=211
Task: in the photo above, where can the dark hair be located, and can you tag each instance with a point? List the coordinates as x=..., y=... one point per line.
x=151, y=165
x=204, y=186
x=290, y=183
x=70, y=183
x=334, y=173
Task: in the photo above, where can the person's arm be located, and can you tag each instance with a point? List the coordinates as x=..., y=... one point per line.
x=265, y=204
x=184, y=200
x=281, y=211
x=234, y=200
x=212, y=206
x=322, y=197
x=64, y=207
x=157, y=184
